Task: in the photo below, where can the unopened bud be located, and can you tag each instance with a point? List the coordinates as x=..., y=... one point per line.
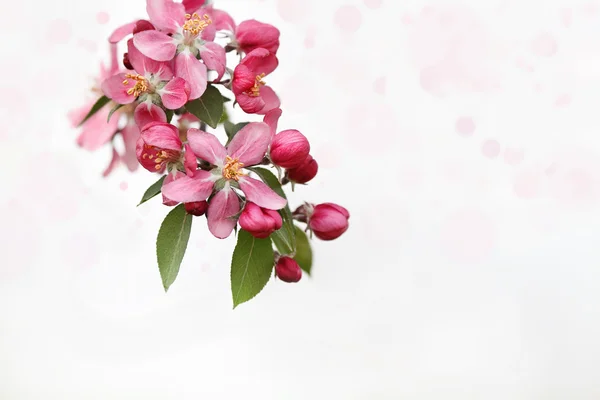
x=288, y=270
x=328, y=221
x=305, y=172
x=289, y=149
x=126, y=61
x=259, y=222
x=197, y=208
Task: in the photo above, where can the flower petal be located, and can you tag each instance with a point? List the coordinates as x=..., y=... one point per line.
x=115, y=89
x=253, y=34
x=166, y=15
x=270, y=98
x=189, y=189
x=221, y=212
x=156, y=45
x=272, y=118
x=190, y=163
x=260, y=61
x=162, y=135
x=206, y=146
x=148, y=112
x=221, y=20
x=250, y=104
x=130, y=134
x=213, y=56
x=175, y=93
x=193, y=71
x=243, y=79
x=191, y=6
x=97, y=131
x=261, y=194
x=140, y=62
x=250, y=144
x=114, y=162
x=121, y=32
x=170, y=178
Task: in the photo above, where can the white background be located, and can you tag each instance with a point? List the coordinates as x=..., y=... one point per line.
x=471, y=268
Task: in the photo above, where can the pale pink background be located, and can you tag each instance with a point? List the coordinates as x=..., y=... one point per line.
x=462, y=136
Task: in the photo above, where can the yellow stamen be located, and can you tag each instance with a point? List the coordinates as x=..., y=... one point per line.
x=157, y=167
x=255, y=90
x=232, y=169
x=141, y=85
x=195, y=24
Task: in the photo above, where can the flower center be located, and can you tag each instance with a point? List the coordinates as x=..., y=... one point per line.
x=255, y=90
x=195, y=24
x=232, y=169
x=158, y=157
x=141, y=84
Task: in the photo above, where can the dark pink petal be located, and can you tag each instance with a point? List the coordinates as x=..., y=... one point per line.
x=261, y=194
x=213, y=56
x=143, y=25
x=243, y=79
x=162, y=136
x=130, y=134
x=221, y=213
x=189, y=189
x=115, y=89
x=206, y=146
x=121, y=32
x=250, y=104
x=250, y=144
x=114, y=162
x=156, y=45
x=166, y=15
x=252, y=34
x=191, y=6
x=260, y=61
x=272, y=118
x=190, y=163
x=140, y=63
x=193, y=71
x=170, y=178
x=96, y=131
x=270, y=98
x=146, y=113
x=175, y=93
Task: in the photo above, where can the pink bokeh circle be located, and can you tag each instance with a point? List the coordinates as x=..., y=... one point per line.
x=348, y=18
x=467, y=236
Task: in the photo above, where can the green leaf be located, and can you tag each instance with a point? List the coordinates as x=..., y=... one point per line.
x=153, y=190
x=169, y=114
x=251, y=267
x=284, y=238
x=224, y=117
x=231, y=129
x=102, y=101
x=209, y=107
x=171, y=243
x=115, y=108
x=303, y=250
x=226, y=99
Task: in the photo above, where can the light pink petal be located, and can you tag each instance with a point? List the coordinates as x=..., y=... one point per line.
x=270, y=98
x=190, y=163
x=206, y=146
x=156, y=45
x=175, y=93
x=115, y=89
x=166, y=15
x=250, y=144
x=261, y=61
x=162, y=135
x=140, y=62
x=261, y=194
x=189, y=189
x=130, y=134
x=193, y=71
x=114, y=162
x=146, y=113
x=170, y=178
x=96, y=131
x=221, y=213
x=221, y=20
x=213, y=56
x=114, y=64
x=77, y=115
x=191, y=6
x=272, y=118
x=122, y=31
x=250, y=104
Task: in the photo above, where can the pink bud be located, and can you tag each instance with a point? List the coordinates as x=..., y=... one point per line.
x=289, y=149
x=142, y=25
x=197, y=208
x=252, y=34
x=259, y=222
x=288, y=270
x=328, y=221
x=305, y=172
x=126, y=62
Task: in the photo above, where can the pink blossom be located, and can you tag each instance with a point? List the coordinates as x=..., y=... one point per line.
x=288, y=270
x=247, y=148
x=159, y=148
x=196, y=208
x=153, y=83
x=250, y=90
x=259, y=222
x=251, y=35
x=289, y=149
x=328, y=221
x=305, y=172
x=182, y=37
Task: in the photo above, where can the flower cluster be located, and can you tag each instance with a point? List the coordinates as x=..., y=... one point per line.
x=171, y=84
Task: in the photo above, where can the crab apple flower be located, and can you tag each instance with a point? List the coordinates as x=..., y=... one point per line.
x=260, y=222
x=153, y=83
x=246, y=149
x=196, y=208
x=179, y=36
x=305, y=172
x=252, y=34
x=159, y=148
x=328, y=221
x=288, y=270
x=250, y=90
x=289, y=149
